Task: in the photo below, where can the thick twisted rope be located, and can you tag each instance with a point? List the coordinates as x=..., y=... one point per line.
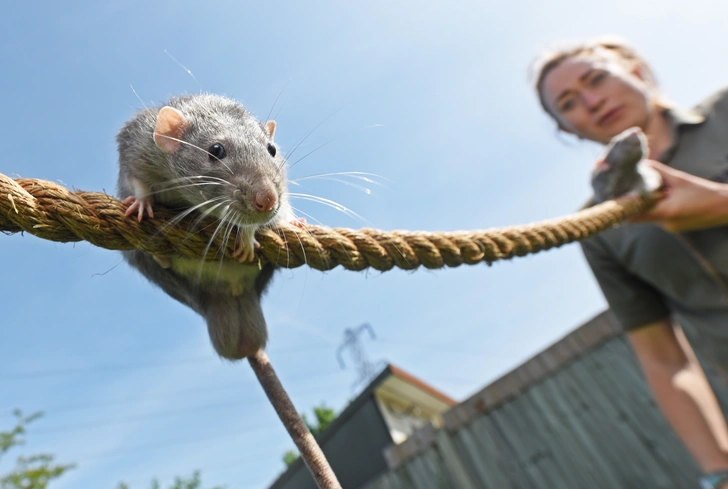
x=50, y=211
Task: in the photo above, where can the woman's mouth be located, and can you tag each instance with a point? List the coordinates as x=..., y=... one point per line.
x=610, y=116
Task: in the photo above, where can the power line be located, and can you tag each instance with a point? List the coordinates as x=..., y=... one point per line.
x=366, y=370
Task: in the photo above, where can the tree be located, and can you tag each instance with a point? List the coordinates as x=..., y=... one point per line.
x=37, y=471
x=34, y=472
x=324, y=417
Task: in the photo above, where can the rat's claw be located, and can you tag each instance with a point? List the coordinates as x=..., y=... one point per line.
x=245, y=246
x=138, y=205
x=299, y=222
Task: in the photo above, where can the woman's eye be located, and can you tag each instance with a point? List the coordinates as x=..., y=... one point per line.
x=598, y=78
x=272, y=149
x=567, y=105
x=217, y=152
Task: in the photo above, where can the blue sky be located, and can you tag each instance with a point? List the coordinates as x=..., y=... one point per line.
x=432, y=96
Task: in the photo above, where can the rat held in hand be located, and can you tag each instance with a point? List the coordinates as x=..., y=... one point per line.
x=206, y=153
x=620, y=170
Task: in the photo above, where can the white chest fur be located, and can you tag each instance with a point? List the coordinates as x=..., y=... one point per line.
x=231, y=276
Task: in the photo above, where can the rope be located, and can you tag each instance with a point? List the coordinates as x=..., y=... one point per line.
x=49, y=211
x=302, y=437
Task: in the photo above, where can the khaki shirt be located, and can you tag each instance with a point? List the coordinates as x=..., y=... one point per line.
x=649, y=274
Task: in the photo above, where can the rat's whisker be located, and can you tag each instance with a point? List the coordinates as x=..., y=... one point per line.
x=299, y=211
x=303, y=249
x=310, y=153
x=226, y=237
x=298, y=144
x=176, y=219
x=197, y=184
x=280, y=232
x=332, y=204
x=280, y=109
x=363, y=176
x=267, y=118
x=212, y=238
x=184, y=68
x=348, y=134
x=138, y=97
x=195, y=177
x=344, y=182
x=204, y=214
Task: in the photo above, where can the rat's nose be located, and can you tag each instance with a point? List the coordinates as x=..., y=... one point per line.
x=264, y=200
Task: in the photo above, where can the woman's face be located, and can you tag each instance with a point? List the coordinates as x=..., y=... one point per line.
x=596, y=97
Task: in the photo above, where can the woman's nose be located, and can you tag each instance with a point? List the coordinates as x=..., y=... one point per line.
x=591, y=99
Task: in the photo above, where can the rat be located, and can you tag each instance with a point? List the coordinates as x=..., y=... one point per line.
x=620, y=170
x=206, y=153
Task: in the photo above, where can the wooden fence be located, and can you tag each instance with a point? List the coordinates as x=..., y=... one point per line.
x=578, y=415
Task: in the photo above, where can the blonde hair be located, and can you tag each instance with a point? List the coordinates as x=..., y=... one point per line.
x=614, y=46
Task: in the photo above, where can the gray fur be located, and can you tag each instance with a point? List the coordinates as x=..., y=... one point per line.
x=227, y=294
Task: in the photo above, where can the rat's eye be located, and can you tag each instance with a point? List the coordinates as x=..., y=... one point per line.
x=271, y=149
x=217, y=152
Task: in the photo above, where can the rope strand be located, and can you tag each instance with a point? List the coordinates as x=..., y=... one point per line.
x=50, y=211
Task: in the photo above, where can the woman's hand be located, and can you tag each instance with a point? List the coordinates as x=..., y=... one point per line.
x=690, y=202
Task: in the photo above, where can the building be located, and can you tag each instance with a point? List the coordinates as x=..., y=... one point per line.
x=392, y=407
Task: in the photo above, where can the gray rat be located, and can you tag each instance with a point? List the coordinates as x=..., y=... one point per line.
x=207, y=153
x=620, y=170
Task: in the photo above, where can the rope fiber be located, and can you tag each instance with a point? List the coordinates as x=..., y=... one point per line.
x=50, y=211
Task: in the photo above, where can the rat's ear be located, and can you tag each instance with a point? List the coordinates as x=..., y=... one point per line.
x=171, y=124
x=270, y=128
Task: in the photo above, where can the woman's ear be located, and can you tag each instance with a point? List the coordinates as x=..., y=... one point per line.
x=639, y=71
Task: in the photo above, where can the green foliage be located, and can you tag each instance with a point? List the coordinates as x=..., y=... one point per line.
x=37, y=471
x=324, y=417
x=193, y=482
x=289, y=457
x=34, y=472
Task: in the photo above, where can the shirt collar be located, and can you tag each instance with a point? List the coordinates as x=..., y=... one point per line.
x=684, y=117
x=679, y=119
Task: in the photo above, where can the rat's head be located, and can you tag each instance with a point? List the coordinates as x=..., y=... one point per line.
x=221, y=158
x=618, y=172
x=627, y=148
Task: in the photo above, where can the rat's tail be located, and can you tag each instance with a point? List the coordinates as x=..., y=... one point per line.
x=236, y=325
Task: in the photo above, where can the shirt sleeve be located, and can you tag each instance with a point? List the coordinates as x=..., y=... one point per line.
x=633, y=302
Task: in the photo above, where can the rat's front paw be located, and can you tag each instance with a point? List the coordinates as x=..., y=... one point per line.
x=139, y=205
x=245, y=245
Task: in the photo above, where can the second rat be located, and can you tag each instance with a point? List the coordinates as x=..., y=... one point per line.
x=206, y=153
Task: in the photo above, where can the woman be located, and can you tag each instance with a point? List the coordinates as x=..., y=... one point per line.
x=654, y=279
